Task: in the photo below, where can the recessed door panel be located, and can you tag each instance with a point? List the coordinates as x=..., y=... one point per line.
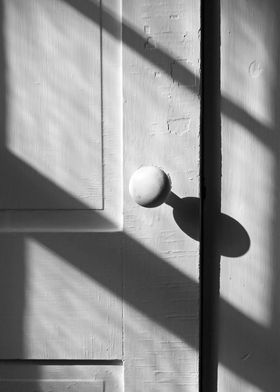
x=61, y=137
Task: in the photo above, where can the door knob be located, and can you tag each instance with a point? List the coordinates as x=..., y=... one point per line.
x=149, y=186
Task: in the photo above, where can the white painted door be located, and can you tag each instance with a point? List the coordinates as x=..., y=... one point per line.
x=98, y=293
x=249, y=305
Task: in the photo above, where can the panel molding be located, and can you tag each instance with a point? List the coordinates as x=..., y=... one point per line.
x=107, y=216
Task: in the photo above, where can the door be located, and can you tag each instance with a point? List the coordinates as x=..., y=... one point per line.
x=249, y=283
x=98, y=293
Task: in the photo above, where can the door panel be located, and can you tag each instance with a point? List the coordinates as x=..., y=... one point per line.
x=62, y=138
x=87, y=274
x=53, y=61
x=62, y=296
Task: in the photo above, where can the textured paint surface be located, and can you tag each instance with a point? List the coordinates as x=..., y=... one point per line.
x=62, y=296
x=161, y=127
x=249, y=313
x=54, y=99
x=63, y=377
x=130, y=295
x=61, y=138
x=51, y=386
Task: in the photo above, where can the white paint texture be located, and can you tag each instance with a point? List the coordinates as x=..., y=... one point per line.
x=62, y=296
x=68, y=313
x=54, y=100
x=131, y=295
x=161, y=127
x=62, y=136
x=61, y=378
x=249, y=314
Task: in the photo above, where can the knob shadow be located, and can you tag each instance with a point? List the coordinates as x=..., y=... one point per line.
x=234, y=240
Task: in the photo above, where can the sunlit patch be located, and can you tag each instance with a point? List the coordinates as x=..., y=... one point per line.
x=232, y=382
x=67, y=313
x=248, y=195
x=247, y=60
x=54, y=97
x=249, y=163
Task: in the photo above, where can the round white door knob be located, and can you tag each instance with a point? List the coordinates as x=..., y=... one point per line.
x=149, y=186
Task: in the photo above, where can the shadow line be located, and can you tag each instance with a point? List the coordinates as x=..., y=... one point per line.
x=146, y=267
x=157, y=55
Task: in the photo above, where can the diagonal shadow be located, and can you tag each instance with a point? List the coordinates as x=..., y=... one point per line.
x=169, y=65
x=146, y=267
x=134, y=40
x=159, y=58
x=260, y=351
x=12, y=286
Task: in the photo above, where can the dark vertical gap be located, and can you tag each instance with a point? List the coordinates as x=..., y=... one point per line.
x=210, y=192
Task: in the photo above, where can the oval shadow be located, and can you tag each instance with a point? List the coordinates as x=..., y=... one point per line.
x=233, y=239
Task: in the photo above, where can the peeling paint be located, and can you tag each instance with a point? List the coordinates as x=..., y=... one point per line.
x=246, y=356
x=255, y=69
x=150, y=43
x=147, y=30
x=178, y=126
